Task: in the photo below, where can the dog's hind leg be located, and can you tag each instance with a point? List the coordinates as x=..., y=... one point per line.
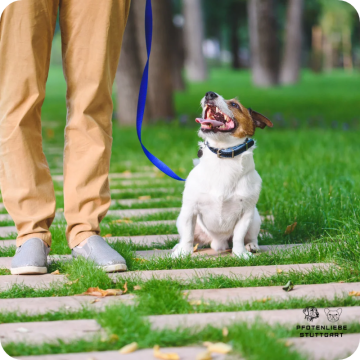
x=251, y=238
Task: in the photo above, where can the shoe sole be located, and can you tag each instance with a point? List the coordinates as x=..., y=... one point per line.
x=28, y=270
x=114, y=268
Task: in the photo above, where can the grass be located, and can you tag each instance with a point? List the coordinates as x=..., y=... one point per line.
x=309, y=165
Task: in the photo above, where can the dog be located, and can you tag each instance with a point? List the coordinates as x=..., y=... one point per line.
x=221, y=192
x=311, y=313
x=333, y=315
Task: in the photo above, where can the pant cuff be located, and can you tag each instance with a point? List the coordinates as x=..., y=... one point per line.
x=46, y=237
x=81, y=237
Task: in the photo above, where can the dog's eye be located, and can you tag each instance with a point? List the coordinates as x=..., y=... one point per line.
x=235, y=105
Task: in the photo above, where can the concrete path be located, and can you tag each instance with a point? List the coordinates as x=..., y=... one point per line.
x=329, y=348
x=185, y=353
x=242, y=272
x=138, y=212
x=130, y=202
x=33, y=306
x=289, y=318
x=7, y=230
x=315, y=291
x=46, y=331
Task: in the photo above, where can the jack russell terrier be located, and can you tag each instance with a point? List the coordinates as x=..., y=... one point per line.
x=222, y=190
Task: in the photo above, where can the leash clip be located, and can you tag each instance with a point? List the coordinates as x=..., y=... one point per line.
x=218, y=154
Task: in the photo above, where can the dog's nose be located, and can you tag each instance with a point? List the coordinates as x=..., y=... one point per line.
x=210, y=95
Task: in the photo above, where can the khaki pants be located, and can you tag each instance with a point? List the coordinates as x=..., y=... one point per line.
x=91, y=33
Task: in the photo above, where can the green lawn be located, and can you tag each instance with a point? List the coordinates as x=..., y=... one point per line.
x=309, y=163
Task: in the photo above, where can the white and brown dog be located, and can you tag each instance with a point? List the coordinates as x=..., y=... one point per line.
x=221, y=192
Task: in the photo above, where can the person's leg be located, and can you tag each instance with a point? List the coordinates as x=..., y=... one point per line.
x=26, y=32
x=91, y=39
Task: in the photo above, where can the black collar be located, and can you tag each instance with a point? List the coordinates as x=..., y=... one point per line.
x=232, y=151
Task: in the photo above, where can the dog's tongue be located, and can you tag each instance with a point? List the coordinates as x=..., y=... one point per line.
x=214, y=123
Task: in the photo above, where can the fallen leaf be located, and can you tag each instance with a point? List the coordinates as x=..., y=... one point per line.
x=125, y=288
x=206, y=355
x=56, y=272
x=107, y=235
x=137, y=287
x=60, y=210
x=94, y=301
x=195, y=302
x=289, y=286
x=126, y=173
x=354, y=293
x=279, y=271
x=50, y=133
x=288, y=343
x=225, y=331
x=165, y=356
x=95, y=291
x=144, y=197
x=127, y=349
x=290, y=228
x=265, y=299
x=113, y=337
x=207, y=343
x=196, y=248
x=141, y=260
x=122, y=221
x=220, y=348
x=72, y=282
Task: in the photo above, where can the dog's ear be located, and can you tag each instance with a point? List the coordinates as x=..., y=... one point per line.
x=306, y=311
x=339, y=311
x=259, y=120
x=326, y=311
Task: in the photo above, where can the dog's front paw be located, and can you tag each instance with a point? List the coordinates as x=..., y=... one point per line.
x=181, y=250
x=243, y=254
x=252, y=247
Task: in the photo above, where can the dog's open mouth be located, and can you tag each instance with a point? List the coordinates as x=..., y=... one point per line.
x=215, y=120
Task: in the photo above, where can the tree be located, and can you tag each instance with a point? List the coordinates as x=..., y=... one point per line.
x=264, y=42
x=291, y=64
x=128, y=76
x=194, y=35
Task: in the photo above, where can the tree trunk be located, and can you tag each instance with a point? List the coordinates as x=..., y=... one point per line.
x=178, y=58
x=263, y=42
x=316, y=56
x=128, y=75
x=160, y=89
x=194, y=36
x=347, y=49
x=291, y=64
x=234, y=37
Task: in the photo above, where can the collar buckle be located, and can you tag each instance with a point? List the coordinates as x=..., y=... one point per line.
x=218, y=154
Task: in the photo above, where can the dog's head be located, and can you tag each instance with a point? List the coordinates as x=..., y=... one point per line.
x=311, y=313
x=223, y=118
x=333, y=315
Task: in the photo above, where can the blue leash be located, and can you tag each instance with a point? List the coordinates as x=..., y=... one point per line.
x=142, y=96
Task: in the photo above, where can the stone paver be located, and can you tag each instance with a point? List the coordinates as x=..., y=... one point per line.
x=329, y=348
x=124, y=175
x=2, y=207
x=46, y=331
x=130, y=202
x=275, y=292
x=289, y=317
x=138, y=212
x=148, y=240
x=143, y=190
x=185, y=353
x=235, y=272
x=7, y=230
x=34, y=281
x=71, y=303
x=181, y=274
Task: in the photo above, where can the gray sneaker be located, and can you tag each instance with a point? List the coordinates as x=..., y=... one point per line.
x=99, y=251
x=30, y=258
